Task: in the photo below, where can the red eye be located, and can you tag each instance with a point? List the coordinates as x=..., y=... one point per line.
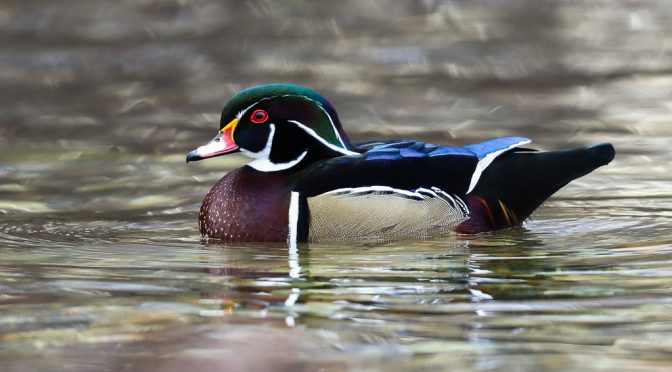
x=259, y=116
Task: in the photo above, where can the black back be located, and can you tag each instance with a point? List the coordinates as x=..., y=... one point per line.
x=405, y=165
x=523, y=179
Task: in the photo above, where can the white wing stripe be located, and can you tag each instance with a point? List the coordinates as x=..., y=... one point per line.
x=487, y=160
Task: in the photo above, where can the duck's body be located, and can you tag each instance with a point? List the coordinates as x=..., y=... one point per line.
x=309, y=183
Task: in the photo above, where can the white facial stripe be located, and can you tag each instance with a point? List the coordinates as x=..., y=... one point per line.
x=322, y=140
x=338, y=135
x=242, y=112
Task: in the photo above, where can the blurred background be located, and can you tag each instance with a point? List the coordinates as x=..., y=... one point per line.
x=101, y=100
x=152, y=76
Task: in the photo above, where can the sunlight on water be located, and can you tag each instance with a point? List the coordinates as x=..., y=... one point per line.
x=103, y=267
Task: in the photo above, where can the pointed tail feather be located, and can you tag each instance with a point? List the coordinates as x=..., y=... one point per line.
x=517, y=182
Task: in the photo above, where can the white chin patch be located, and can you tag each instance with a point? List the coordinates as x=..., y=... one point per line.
x=266, y=165
x=262, y=161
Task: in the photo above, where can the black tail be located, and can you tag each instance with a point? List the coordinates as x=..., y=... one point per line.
x=521, y=180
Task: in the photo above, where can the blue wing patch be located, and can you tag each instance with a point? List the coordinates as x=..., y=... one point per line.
x=404, y=165
x=485, y=152
x=414, y=149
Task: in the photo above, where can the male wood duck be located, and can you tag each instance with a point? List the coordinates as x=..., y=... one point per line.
x=308, y=182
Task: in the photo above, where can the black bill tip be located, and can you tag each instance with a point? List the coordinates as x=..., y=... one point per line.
x=193, y=156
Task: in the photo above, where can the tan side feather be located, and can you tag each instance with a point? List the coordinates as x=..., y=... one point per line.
x=383, y=213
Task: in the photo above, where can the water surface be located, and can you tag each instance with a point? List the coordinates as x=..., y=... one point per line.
x=103, y=267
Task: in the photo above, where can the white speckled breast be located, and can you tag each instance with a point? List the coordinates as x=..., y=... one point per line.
x=246, y=205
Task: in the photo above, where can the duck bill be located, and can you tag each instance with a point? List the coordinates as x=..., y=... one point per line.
x=222, y=144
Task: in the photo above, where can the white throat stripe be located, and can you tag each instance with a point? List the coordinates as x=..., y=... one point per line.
x=262, y=161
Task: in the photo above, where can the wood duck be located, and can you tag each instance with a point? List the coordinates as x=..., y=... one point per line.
x=308, y=182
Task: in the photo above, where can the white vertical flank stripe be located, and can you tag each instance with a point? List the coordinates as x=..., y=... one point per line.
x=293, y=218
x=293, y=257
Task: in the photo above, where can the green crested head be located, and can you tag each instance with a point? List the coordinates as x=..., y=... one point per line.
x=281, y=126
x=290, y=102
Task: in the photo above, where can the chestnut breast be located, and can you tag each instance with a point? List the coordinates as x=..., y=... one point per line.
x=247, y=205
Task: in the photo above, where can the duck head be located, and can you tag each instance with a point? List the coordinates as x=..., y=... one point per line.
x=280, y=127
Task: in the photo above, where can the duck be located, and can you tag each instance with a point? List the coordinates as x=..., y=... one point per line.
x=307, y=182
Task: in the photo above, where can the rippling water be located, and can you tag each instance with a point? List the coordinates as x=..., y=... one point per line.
x=102, y=266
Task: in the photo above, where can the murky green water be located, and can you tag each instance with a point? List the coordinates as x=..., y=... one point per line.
x=102, y=267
